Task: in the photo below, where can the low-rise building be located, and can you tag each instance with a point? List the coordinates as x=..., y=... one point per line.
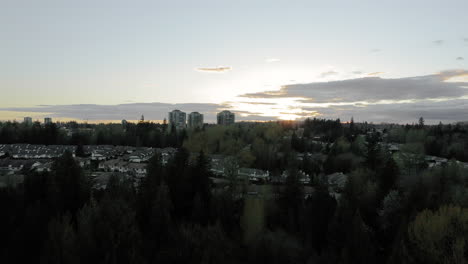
x=433, y=161
x=3, y=152
x=27, y=151
x=14, y=166
x=303, y=177
x=118, y=165
x=254, y=175
x=43, y=166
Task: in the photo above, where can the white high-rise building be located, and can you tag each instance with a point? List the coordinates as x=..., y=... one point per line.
x=226, y=118
x=178, y=119
x=48, y=120
x=195, y=119
x=28, y=120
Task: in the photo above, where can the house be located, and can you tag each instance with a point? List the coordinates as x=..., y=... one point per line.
x=27, y=151
x=217, y=169
x=166, y=154
x=97, y=155
x=393, y=147
x=303, y=177
x=42, y=166
x=3, y=151
x=103, y=152
x=112, y=165
x=137, y=168
x=83, y=162
x=216, y=158
x=119, y=165
x=254, y=175
x=14, y=166
x=136, y=156
x=433, y=161
x=143, y=155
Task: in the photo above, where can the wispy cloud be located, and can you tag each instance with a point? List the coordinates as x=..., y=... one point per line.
x=375, y=73
x=218, y=69
x=452, y=74
x=375, y=50
x=254, y=103
x=357, y=72
x=328, y=74
x=271, y=60
x=459, y=58
x=438, y=42
x=267, y=94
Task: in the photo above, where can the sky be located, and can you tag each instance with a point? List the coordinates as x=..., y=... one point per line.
x=377, y=61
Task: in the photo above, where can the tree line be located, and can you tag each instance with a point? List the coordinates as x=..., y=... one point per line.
x=142, y=134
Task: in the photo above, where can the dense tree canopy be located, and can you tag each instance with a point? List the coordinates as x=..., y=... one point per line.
x=395, y=206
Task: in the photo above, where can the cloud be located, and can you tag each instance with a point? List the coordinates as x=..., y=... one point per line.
x=357, y=72
x=133, y=111
x=451, y=74
x=327, y=74
x=375, y=50
x=436, y=97
x=253, y=103
x=375, y=73
x=271, y=60
x=218, y=69
x=267, y=94
x=438, y=42
x=460, y=58
x=433, y=112
x=374, y=89
x=253, y=117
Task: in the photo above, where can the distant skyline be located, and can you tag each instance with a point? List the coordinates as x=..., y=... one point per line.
x=265, y=60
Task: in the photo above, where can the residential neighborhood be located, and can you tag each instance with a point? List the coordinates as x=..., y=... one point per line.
x=16, y=159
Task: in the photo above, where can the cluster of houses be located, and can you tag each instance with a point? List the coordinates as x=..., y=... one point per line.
x=101, y=161
x=221, y=170
x=16, y=159
x=119, y=165
x=27, y=151
x=94, y=152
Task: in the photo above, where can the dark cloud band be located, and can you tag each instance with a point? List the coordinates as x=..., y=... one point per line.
x=374, y=89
